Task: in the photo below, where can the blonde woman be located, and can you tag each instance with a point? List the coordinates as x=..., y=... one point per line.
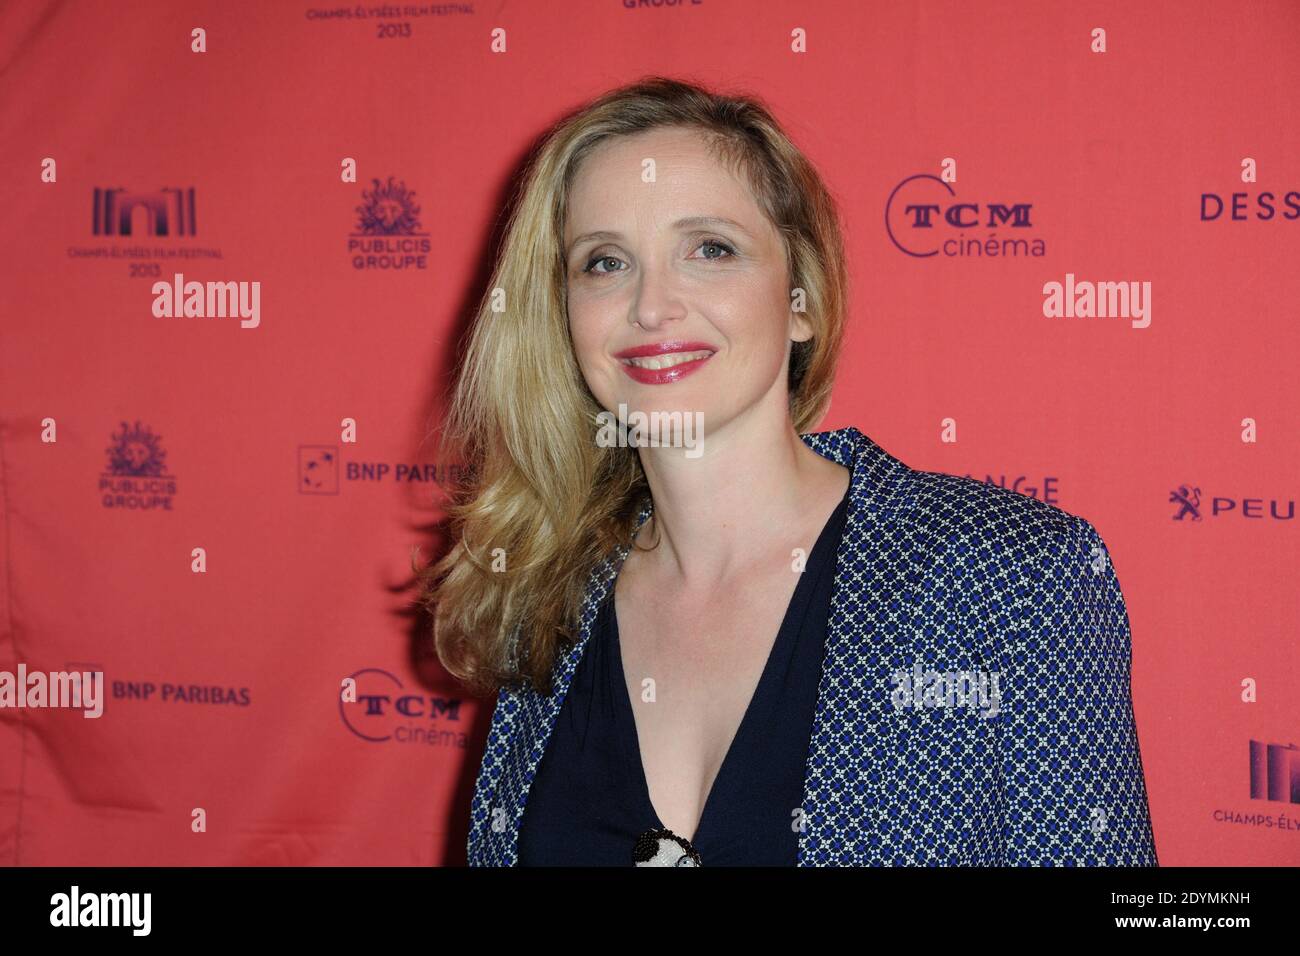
x=751, y=644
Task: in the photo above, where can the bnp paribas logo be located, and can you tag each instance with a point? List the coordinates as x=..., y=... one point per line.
x=388, y=234
x=318, y=470
x=137, y=477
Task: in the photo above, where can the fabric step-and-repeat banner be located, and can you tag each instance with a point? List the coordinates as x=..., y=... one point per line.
x=1074, y=235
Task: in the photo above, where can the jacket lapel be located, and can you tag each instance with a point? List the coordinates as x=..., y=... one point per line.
x=851, y=786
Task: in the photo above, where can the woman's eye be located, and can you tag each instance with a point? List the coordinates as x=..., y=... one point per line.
x=717, y=244
x=595, y=259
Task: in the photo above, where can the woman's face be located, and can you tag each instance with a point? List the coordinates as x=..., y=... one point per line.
x=642, y=268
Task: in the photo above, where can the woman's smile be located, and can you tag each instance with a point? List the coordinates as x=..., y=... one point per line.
x=664, y=362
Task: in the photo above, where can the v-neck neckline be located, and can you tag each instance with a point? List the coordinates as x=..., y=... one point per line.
x=632, y=739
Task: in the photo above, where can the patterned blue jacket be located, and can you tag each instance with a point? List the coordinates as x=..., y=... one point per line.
x=935, y=575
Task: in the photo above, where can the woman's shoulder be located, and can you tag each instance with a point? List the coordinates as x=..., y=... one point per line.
x=962, y=508
x=937, y=516
x=1044, y=573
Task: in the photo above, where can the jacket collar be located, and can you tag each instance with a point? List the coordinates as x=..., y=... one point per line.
x=849, y=782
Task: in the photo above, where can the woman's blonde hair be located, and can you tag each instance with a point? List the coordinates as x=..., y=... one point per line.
x=540, y=503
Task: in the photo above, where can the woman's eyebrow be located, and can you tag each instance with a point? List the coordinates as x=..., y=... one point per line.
x=689, y=222
x=693, y=221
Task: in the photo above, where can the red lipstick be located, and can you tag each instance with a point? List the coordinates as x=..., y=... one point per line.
x=669, y=373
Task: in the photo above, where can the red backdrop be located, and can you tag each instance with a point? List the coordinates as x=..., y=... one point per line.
x=1019, y=143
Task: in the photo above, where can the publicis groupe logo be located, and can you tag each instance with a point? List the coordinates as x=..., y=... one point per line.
x=322, y=472
x=1188, y=506
x=375, y=706
x=137, y=477
x=387, y=234
x=924, y=218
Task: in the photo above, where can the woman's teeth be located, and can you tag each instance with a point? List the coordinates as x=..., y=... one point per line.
x=668, y=360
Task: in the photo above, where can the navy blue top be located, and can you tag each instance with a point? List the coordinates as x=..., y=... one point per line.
x=589, y=800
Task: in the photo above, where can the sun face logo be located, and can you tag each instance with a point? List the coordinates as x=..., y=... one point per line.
x=136, y=451
x=137, y=478
x=387, y=235
x=389, y=209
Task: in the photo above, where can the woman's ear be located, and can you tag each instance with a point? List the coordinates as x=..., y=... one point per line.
x=801, y=328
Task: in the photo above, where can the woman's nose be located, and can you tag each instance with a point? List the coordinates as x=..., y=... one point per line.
x=658, y=300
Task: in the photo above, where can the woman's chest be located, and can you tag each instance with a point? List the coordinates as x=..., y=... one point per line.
x=702, y=656
x=692, y=671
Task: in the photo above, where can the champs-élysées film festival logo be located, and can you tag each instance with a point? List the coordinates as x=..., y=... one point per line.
x=388, y=234
x=147, y=230
x=137, y=478
x=165, y=212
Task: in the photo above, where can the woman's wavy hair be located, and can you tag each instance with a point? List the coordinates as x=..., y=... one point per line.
x=540, y=504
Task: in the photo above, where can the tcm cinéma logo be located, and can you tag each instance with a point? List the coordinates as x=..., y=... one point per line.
x=376, y=707
x=925, y=218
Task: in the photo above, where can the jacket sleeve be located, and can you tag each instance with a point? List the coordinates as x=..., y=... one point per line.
x=1073, y=792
